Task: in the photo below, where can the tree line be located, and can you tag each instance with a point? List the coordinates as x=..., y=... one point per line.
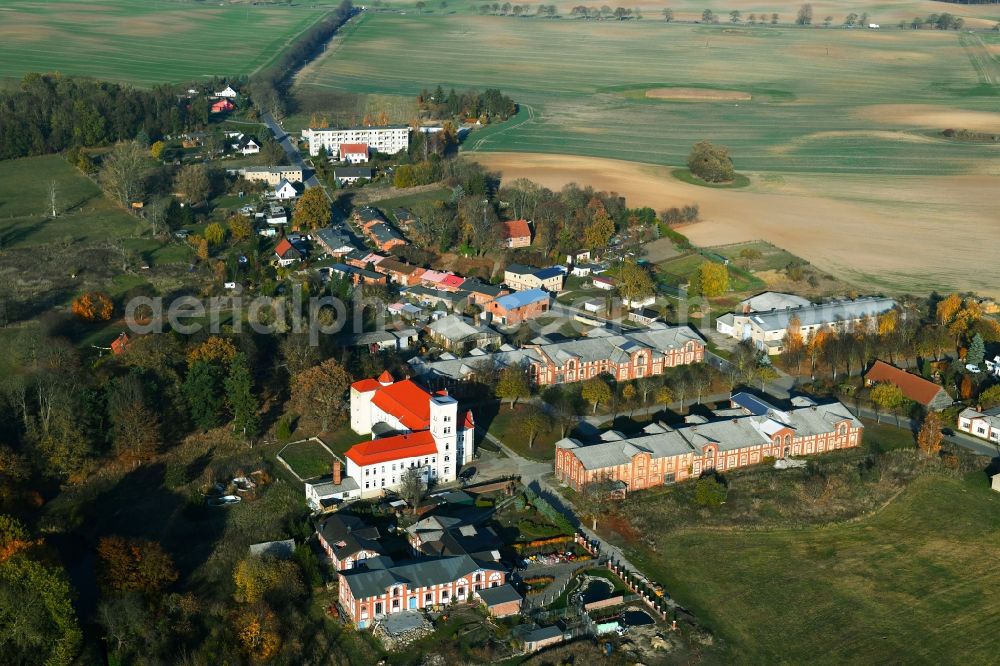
x=49, y=113
x=571, y=219
x=489, y=104
x=268, y=86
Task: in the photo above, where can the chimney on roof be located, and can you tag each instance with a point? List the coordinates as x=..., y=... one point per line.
x=336, y=472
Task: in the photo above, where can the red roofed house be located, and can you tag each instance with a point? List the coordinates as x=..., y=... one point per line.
x=425, y=431
x=516, y=233
x=287, y=253
x=354, y=153
x=222, y=106
x=919, y=390
x=120, y=344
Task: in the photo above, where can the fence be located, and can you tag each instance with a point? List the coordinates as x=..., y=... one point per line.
x=640, y=588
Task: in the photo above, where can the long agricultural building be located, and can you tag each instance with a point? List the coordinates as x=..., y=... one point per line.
x=625, y=356
x=743, y=435
x=769, y=328
x=388, y=139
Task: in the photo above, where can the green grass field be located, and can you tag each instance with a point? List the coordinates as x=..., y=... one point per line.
x=504, y=427
x=908, y=585
x=818, y=96
x=85, y=214
x=308, y=458
x=148, y=42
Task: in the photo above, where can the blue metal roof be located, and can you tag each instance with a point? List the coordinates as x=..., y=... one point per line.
x=521, y=298
x=752, y=403
x=547, y=273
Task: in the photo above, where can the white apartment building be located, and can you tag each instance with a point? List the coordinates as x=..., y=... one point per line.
x=389, y=139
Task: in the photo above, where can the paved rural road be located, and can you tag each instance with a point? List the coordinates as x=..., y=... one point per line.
x=294, y=156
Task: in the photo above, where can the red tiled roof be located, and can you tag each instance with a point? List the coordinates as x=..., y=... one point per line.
x=393, y=448
x=453, y=281
x=120, y=344
x=353, y=148
x=385, y=378
x=913, y=387
x=407, y=401
x=465, y=418
x=282, y=247
x=366, y=385
x=516, y=229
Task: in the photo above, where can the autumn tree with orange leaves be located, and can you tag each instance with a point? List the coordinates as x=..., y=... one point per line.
x=93, y=306
x=134, y=565
x=318, y=394
x=929, y=438
x=214, y=350
x=257, y=633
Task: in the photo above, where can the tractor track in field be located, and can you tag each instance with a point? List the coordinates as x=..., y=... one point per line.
x=532, y=117
x=981, y=59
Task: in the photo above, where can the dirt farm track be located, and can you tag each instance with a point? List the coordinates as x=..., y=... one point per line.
x=893, y=233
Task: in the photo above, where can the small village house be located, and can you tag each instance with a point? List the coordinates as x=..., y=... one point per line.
x=516, y=233
x=354, y=153
x=521, y=278
x=284, y=191
x=351, y=175
x=512, y=309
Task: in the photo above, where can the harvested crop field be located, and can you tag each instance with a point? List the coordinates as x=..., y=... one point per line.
x=896, y=233
x=782, y=99
x=697, y=94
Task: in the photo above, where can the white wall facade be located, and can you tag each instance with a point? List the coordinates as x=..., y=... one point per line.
x=389, y=140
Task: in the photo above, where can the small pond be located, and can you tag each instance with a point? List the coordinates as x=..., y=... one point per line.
x=636, y=618
x=597, y=590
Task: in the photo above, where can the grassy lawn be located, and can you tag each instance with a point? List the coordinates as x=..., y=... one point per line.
x=739, y=180
x=608, y=576
x=410, y=200
x=907, y=585
x=887, y=437
x=308, y=459
x=85, y=214
x=819, y=111
x=146, y=42
x=504, y=427
x=343, y=439
x=772, y=258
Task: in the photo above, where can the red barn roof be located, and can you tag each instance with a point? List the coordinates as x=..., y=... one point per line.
x=913, y=387
x=407, y=401
x=516, y=229
x=393, y=448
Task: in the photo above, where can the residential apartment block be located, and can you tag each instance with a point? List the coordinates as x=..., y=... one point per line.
x=272, y=175
x=389, y=139
x=745, y=434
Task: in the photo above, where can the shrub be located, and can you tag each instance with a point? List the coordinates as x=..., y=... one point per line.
x=284, y=429
x=710, y=492
x=711, y=163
